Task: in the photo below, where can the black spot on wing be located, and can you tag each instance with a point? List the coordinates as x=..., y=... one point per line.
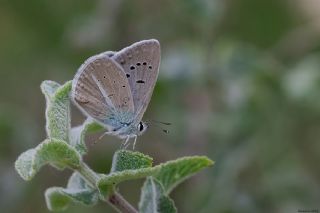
x=140, y=82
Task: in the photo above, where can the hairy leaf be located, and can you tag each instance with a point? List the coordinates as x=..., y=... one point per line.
x=154, y=199
x=51, y=151
x=174, y=172
x=77, y=191
x=77, y=134
x=49, y=88
x=170, y=174
x=128, y=160
x=58, y=109
x=57, y=200
x=125, y=165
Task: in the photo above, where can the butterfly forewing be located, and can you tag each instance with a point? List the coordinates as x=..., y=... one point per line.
x=101, y=89
x=140, y=62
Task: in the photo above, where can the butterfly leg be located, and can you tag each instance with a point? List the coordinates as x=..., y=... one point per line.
x=125, y=144
x=101, y=136
x=134, y=143
x=105, y=133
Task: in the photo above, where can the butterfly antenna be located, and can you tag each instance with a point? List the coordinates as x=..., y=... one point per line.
x=161, y=122
x=156, y=124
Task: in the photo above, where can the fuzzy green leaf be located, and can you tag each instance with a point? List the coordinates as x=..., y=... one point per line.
x=128, y=160
x=154, y=199
x=170, y=174
x=77, y=182
x=126, y=165
x=58, y=109
x=106, y=183
x=51, y=151
x=49, y=88
x=77, y=191
x=77, y=134
x=56, y=200
x=174, y=172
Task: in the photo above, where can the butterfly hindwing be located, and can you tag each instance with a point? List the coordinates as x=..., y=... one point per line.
x=101, y=89
x=140, y=63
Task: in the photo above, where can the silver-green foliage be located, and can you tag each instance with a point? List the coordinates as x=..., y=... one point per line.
x=77, y=191
x=77, y=134
x=154, y=199
x=170, y=174
x=58, y=109
x=51, y=151
x=65, y=146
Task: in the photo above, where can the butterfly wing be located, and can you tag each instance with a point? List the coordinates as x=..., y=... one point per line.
x=101, y=89
x=140, y=62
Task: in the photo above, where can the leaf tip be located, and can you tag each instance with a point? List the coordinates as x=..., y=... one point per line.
x=23, y=165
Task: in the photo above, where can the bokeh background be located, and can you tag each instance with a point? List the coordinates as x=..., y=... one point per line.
x=239, y=80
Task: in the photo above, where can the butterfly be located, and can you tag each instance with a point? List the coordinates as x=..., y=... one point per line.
x=115, y=88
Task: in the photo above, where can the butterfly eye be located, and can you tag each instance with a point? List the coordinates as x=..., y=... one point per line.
x=140, y=127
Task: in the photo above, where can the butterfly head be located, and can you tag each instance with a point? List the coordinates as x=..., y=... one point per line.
x=132, y=130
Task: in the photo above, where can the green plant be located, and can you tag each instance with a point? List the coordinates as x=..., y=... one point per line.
x=65, y=146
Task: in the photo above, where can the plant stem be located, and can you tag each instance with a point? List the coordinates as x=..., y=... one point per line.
x=114, y=199
x=120, y=204
x=88, y=174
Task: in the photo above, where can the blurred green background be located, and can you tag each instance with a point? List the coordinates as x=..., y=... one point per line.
x=239, y=80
